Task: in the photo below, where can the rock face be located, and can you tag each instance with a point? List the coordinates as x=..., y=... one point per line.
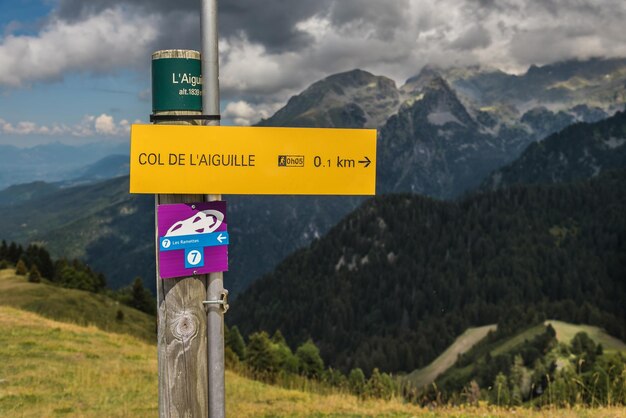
x=355, y=99
x=433, y=146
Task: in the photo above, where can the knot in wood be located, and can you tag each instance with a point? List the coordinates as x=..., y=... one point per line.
x=184, y=325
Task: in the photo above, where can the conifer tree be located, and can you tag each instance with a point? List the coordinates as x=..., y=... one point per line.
x=235, y=341
x=500, y=394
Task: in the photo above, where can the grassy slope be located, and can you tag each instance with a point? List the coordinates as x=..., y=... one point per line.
x=564, y=333
x=58, y=369
x=74, y=306
x=518, y=339
x=53, y=369
x=462, y=344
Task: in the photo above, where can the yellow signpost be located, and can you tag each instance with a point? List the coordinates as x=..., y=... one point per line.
x=252, y=160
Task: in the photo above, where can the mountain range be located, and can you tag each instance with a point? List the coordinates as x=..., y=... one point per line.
x=443, y=131
x=440, y=134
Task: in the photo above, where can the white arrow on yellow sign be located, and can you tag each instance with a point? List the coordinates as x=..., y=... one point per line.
x=174, y=159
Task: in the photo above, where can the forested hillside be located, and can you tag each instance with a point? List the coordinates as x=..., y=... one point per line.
x=580, y=151
x=396, y=281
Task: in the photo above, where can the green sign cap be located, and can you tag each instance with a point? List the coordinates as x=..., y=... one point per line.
x=176, y=84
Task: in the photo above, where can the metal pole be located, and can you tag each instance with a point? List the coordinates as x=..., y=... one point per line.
x=215, y=290
x=210, y=60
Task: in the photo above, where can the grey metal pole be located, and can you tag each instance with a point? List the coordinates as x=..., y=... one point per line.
x=215, y=290
x=210, y=60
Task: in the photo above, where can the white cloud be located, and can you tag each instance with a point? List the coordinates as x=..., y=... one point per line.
x=243, y=113
x=103, y=125
x=22, y=128
x=109, y=41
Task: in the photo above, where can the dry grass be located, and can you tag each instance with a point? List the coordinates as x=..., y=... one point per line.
x=54, y=369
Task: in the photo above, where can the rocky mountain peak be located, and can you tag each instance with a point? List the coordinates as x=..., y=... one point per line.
x=427, y=75
x=354, y=99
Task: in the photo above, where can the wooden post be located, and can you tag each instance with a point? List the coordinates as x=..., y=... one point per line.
x=182, y=319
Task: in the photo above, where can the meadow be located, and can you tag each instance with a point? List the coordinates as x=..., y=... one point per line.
x=57, y=369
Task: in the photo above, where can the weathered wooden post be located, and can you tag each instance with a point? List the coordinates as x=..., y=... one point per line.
x=182, y=338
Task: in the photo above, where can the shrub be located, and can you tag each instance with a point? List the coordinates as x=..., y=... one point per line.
x=260, y=357
x=310, y=364
x=356, y=381
x=380, y=385
x=20, y=268
x=33, y=275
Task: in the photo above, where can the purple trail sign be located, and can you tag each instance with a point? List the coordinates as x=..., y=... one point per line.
x=193, y=239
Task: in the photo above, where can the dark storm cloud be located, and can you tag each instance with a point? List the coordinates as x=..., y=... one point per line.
x=271, y=23
x=280, y=46
x=383, y=18
x=475, y=37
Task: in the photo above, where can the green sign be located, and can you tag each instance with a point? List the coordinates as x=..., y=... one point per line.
x=176, y=84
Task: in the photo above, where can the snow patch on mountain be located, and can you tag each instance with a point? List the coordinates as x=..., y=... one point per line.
x=439, y=118
x=613, y=143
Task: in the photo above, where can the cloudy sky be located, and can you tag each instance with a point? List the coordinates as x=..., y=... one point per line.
x=78, y=70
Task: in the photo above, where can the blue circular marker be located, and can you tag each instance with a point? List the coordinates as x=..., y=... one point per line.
x=194, y=257
x=166, y=243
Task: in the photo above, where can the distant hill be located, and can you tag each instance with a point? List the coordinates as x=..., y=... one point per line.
x=27, y=191
x=52, y=162
x=580, y=151
x=99, y=223
x=397, y=280
x=109, y=167
x=113, y=231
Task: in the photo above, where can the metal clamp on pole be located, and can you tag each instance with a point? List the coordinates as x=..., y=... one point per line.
x=223, y=301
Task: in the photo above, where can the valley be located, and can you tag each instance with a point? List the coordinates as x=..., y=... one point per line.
x=499, y=206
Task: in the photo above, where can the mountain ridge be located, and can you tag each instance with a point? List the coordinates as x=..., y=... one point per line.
x=579, y=151
x=439, y=151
